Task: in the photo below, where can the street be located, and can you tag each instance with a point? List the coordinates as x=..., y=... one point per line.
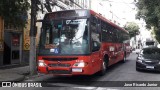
x=119, y=72
x=116, y=76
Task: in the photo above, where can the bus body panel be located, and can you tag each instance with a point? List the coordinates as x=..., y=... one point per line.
x=96, y=61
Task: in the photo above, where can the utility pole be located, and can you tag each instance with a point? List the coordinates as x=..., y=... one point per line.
x=90, y=7
x=32, y=54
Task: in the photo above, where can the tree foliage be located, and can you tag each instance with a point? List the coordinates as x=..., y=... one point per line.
x=149, y=10
x=157, y=34
x=132, y=28
x=14, y=12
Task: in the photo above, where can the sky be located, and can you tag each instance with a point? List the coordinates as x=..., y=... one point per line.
x=126, y=11
x=123, y=10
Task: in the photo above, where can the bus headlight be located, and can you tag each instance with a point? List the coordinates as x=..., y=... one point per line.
x=41, y=63
x=80, y=64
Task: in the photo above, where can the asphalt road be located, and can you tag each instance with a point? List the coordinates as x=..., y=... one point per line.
x=116, y=76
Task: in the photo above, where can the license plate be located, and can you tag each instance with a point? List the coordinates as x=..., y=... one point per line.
x=76, y=69
x=150, y=67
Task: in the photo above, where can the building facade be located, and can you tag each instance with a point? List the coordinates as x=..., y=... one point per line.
x=15, y=42
x=1, y=40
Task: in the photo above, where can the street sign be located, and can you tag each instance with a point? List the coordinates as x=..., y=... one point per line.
x=26, y=43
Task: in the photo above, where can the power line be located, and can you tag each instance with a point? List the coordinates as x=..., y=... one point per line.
x=127, y=4
x=118, y=2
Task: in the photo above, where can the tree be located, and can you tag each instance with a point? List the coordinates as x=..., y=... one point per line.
x=14, y=12
x=149, y=10
x=132, y=28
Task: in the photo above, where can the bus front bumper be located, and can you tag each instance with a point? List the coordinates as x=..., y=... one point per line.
x=66, y=71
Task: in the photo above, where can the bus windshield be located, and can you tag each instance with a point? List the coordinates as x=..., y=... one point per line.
x=65, y=37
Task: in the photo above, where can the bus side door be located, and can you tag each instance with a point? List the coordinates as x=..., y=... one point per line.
x=95, y=56
x=95, y=43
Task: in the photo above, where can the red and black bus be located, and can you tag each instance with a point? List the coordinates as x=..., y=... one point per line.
x=80, y=42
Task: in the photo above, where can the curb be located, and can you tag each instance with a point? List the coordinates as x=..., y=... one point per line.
x=11, y=77
x=19, y=79
x=4, y=67
x=34, y=76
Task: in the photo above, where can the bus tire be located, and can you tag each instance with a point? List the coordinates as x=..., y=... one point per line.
x=104, y=67
x=124, y=58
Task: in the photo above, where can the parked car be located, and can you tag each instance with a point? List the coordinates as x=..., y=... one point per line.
x=148, y=59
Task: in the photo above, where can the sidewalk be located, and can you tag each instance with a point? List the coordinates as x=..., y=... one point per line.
x=14, y=74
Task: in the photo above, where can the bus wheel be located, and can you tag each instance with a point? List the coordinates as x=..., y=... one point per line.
x=124, y=59
x=104, y=68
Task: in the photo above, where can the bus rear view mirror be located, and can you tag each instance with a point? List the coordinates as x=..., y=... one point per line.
x=95, y=46
x=111, y=48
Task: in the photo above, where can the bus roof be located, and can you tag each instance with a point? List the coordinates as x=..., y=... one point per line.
x=106, y=20
x=93, y=13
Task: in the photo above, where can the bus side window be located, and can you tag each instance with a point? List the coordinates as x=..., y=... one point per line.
x=95, y=36
x=106, y=37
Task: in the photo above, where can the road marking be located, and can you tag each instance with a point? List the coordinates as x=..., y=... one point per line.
x=95, y=88
x=29, y=80
x=87, y=88
x=100, y=88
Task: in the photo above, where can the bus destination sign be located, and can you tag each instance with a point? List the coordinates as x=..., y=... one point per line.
x=63, y=14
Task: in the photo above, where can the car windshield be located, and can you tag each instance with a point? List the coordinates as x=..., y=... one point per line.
x=149, y=43
x=65, y=37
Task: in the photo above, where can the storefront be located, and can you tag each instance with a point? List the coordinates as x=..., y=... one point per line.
x=14, y=45
x=12, y=53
